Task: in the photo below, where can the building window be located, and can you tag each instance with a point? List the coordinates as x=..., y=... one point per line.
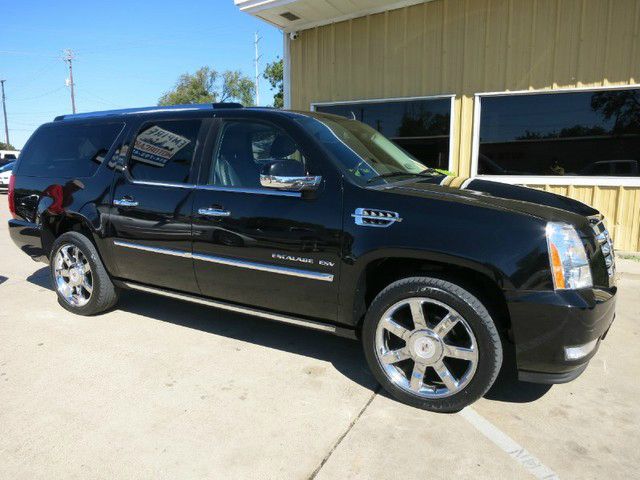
x=420, y=126
x=582, y=133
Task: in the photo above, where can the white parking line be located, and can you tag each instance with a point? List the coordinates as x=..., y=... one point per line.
x=503, y=441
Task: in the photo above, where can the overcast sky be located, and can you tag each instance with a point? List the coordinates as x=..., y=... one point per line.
x=128, y=53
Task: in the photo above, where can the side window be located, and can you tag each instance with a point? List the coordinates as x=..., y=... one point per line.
x=163, y=151
x=68, y=150
x=245, y=149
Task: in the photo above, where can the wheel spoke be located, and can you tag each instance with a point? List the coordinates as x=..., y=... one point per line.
x=445, y=375
x=86, y=267
x=63, y=272
x=445, y=325
x=395, y=356
x=87, y=286
x=460, y=352
x=417, y=314
x=417, y=376
x=395, y=328
x=66, y=259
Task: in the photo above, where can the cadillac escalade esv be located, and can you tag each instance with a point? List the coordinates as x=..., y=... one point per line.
x=319, y=221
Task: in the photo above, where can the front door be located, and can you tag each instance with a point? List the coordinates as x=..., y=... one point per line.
x=152, y=203
x=267, y=248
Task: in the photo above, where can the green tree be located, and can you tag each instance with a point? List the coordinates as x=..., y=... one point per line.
x=208, y=85
x=274, y=73
x=6, y=146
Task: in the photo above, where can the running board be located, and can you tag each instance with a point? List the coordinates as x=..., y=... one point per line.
x=234, y=308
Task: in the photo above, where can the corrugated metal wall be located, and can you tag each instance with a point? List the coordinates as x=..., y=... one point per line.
x=471, y=46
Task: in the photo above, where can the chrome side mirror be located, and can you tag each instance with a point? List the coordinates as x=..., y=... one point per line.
x=294, y=184
x=288, y=174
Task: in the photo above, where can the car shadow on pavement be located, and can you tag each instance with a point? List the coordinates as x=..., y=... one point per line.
x=344, y=354
x=41, y=278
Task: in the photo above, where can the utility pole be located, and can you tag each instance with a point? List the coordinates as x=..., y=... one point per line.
x=69, y=57
x=255, y=61
x=4, y=110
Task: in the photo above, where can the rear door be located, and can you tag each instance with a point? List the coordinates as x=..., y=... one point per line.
x=277, y=250
x=152, y=202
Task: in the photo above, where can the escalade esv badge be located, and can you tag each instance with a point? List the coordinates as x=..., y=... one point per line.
x=309, y=261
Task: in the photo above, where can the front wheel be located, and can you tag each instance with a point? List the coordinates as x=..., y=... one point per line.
x=431, y=344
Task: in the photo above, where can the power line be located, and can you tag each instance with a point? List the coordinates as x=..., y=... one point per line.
x=17, y=52
x=39, y=96
x=87, y=94
x=37, y=75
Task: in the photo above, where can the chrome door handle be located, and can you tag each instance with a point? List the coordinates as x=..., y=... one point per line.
x=214, y=212
x=125, y=202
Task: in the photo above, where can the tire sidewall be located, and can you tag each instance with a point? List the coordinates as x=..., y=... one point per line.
x=483, y=328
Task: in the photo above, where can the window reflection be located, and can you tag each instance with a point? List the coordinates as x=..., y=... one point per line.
x=163, y=151
x=421, y=127
x=573, y=133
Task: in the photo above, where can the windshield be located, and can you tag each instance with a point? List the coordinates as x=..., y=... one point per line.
x=364, y=154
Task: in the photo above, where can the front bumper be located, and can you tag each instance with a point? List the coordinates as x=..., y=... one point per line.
x=28, y=238
x=557, y=333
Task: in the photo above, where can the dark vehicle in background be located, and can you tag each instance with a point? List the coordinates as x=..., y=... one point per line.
x=319, y=221
x=7, y=156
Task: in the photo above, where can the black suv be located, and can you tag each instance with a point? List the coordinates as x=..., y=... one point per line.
x=319, y=221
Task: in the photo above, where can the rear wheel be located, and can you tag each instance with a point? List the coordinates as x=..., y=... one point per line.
x=431, y=344
x=82, y=283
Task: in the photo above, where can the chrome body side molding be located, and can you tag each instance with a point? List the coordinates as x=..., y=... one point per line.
x=164, y=251
x=232, y=308
x=294, y=272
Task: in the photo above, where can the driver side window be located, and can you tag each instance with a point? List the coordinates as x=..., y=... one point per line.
x=247, y=149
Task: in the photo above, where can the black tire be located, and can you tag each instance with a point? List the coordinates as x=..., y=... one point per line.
x=104, y=294
x=489, y=346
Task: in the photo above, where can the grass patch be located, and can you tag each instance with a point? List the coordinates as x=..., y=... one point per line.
x=629, y=256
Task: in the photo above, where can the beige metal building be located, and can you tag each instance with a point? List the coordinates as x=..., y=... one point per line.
x=544, y=93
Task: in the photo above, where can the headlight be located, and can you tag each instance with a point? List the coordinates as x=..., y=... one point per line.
x=567, y=257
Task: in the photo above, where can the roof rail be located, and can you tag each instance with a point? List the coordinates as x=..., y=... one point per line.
x=133, y=111
x=227, y=105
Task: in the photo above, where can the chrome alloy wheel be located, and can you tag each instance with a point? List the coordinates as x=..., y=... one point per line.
x=426, y=348
x=72, y=274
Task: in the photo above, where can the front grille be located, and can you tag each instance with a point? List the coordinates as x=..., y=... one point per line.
x=606, y=244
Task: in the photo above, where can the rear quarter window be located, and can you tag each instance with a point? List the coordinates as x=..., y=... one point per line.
x=66, y=150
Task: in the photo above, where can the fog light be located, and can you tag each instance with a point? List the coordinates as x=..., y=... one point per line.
x=579, y=351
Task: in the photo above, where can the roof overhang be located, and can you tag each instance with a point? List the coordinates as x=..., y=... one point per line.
x=294, y=15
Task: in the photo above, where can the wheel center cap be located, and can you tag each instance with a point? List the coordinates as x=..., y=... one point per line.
x=75, y=276
x=426, y=346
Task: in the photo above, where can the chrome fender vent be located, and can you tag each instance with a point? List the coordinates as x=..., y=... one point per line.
x=370, y=217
